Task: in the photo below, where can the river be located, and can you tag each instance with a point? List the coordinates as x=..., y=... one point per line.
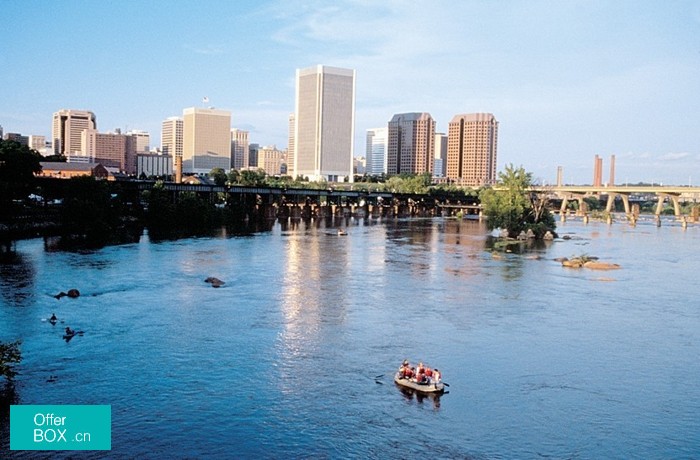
x=293, y=357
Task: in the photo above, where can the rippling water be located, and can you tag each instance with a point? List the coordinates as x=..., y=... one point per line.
x=294, y=356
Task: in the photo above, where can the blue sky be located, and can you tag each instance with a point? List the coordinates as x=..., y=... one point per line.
x=566, y=79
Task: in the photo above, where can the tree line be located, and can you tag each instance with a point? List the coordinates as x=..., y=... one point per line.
x=95, y=209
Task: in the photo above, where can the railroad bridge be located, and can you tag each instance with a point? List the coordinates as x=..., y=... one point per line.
x=271, y=202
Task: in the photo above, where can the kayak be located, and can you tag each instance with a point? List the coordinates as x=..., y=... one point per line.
x=420, y=387
x=70, y=336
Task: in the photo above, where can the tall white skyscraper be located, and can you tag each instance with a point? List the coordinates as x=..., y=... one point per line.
x=324, y=123
x=440, y=162
x=290, y=147
x=377, y=145
x=67, y=129
x=206, y=142
x=171, y=137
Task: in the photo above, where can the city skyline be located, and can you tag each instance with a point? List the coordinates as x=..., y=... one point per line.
x=566, y=80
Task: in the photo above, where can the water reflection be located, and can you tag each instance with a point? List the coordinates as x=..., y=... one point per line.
x=410, y=395
x=17, y=278
x=313, y=290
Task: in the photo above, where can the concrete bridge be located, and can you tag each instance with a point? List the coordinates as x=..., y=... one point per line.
x=674, y=194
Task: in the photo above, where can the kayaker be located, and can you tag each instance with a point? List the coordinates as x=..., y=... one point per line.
x=69, y=331
x=53, y=317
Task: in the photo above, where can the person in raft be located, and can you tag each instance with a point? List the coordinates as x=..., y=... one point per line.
x=436, y=378
x=405, y=371
x=422, y=374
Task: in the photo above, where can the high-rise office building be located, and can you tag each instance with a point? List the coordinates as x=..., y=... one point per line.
x=359, y=165
x=171, y=137
x=206, y=142
x=253, y=150
x=376, y=152
x=108, y=149
x=270, y=159
x=239, y=149
x=411, y=143
x=440, y=162
x=137, y=143
x=290, y=147
x=141, y=140
x=67, y=128
x=38, y=143
x=471, y=149
x=17, y=137
x=324, y=123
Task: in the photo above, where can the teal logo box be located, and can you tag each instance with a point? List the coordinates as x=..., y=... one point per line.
x=61, y=427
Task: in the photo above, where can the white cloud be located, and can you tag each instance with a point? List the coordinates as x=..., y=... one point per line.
x=674, y=156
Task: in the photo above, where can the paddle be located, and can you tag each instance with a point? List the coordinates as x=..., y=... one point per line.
x=446, y=384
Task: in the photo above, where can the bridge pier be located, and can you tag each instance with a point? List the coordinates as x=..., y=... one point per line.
x=674, y=200
x=562, y=209
x=611, y=201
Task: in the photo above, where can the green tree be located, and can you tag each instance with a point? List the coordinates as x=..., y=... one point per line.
x=10, y=355
x=253, y=178
x=233, y=177
x=409, y=183
x=514, y=207
x=18, y=164
x=219, y=176
x=161, y=217
x=89, y=210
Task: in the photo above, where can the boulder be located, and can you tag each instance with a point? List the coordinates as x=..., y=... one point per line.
x=572, y=263
x=215, y=282
x=593, y=265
